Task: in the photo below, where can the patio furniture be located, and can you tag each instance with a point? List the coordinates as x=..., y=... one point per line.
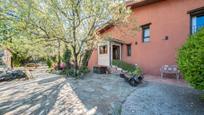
x=133, y=80
x=170, y=69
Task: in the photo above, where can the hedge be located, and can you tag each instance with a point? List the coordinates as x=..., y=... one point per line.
x=190, y=60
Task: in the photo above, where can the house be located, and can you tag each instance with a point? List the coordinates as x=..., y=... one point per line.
x=164, y=27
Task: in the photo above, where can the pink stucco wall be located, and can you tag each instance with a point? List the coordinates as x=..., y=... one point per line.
x=167, y=18
x=93, y=59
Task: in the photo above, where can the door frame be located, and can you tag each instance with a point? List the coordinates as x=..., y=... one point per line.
x=111, y=50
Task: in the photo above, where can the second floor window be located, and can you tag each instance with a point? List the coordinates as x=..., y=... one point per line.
x=197, y=22
x=145, y=33
x=197, y=19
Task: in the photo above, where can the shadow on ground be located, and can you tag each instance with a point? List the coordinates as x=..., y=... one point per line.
x=95, y=94
x=29, y=99
x=104, y=93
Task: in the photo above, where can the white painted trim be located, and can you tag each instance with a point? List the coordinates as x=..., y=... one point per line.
x=104, y=59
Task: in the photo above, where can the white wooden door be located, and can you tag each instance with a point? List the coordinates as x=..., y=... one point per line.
x=104, y=54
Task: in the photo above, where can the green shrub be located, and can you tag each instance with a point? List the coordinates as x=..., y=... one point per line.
x=132, y=69
x=137, y=71
x=83, y=70
x=18, y=59
x=190, y=60
x=70, y=72
x=124, y=65
x=49, y=62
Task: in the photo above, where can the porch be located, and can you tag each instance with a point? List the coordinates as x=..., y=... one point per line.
x=110, y=49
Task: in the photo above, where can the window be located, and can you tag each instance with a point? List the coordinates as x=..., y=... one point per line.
x=197, y=22
x=197, y=19
x=103, y=49
x=129, y=50
x=146, y=33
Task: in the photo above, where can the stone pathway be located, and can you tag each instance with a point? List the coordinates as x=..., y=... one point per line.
x=53, y=95
x=96, y=94
x=154, y=98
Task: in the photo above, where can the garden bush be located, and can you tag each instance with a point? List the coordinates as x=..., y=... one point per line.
x=49, y=62
x=190, y=60
x=83, y=70
x=137, y=71
x=19, y=59
x=124, y=65
x=70, y=72
x=132, y=69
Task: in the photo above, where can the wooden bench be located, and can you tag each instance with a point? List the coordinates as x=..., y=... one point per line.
x=170, y=69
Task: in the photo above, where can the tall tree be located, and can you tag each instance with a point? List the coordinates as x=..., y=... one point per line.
x=73, y=22
x=81, y=18
x=15, y=34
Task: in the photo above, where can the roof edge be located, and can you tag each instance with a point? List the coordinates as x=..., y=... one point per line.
x=135, y=4
x=132, y=4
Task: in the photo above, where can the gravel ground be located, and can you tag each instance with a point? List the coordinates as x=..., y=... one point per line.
x=154, y=98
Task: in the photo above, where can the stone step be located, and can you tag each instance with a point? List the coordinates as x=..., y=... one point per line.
x=117, y=70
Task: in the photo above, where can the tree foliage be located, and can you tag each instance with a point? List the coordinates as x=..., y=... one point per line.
x=70, y=22
x=191, y=60
x=16, y=34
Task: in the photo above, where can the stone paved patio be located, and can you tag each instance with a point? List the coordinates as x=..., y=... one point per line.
x=164, y=97
x=97, y=94
x=52, y=94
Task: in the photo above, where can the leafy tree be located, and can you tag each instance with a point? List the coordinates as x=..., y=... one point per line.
x=82, y=18
x=191, y=60
x=15, y=34
x=70, y=22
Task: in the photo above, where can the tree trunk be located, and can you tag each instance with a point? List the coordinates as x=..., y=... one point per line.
x=76, y=66
x=59, y=58
x=80, y=58
x=12, y=65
